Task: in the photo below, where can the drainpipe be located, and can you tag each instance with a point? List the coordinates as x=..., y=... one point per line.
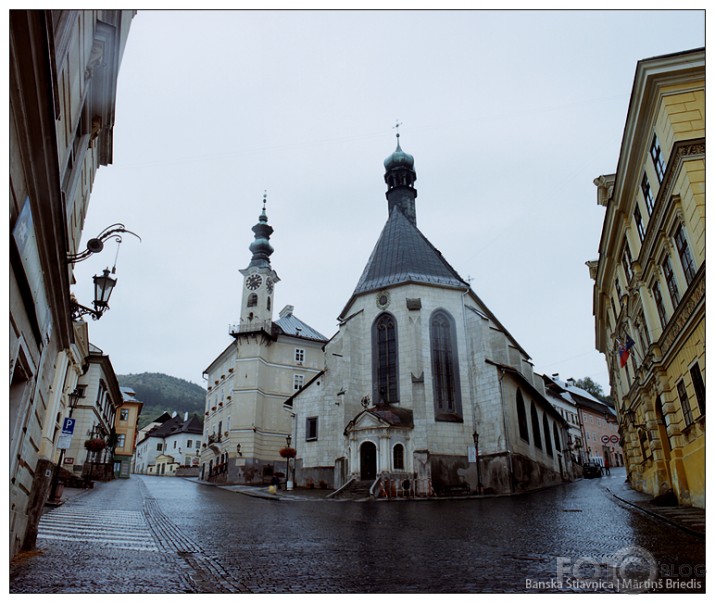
x=472, y=386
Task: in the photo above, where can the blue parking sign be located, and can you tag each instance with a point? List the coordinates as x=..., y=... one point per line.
x=68, y=425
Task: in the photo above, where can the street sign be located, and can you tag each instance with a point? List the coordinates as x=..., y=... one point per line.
x=65, y=439
x=605, y=439
x=615, y=439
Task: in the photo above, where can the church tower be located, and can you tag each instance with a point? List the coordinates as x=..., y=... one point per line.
x=259, y=278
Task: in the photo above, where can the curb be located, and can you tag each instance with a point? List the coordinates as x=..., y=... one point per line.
x=657, y=515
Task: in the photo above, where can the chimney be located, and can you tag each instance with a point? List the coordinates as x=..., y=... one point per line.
x=287, y=311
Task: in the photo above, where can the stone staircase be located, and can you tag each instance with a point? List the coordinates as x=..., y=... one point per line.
x=355, y=490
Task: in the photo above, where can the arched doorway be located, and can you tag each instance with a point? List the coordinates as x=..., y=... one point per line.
x=368, y=461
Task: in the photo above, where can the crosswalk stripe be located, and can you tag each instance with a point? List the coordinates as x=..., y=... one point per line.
x=118, y=529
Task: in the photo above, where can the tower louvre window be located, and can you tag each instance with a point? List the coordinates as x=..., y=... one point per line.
x=252, y=300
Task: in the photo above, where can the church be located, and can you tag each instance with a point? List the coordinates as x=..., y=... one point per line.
x=422, y=391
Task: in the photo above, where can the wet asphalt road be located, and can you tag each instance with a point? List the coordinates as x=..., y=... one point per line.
x=169, y=535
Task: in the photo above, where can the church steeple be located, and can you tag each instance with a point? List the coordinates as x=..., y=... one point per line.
x=261, y=246
x=259, y=277
x=400, y=178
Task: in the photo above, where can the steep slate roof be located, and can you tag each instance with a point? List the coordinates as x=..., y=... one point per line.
x=403, y=254
x=291, y=325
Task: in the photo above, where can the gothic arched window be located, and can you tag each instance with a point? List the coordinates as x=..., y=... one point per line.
x=557, y=439
x=535, y=426
x=521, y=415
x=547, y=437
x=384, y=358
x=445, y=368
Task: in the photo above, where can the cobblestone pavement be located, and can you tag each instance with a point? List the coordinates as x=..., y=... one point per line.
x=168, y=535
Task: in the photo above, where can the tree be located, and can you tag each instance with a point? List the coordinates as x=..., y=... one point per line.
x=590, y=386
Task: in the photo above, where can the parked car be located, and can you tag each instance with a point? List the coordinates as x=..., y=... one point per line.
x=591, y=470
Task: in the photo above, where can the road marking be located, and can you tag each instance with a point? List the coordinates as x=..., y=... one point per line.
x=117, y=529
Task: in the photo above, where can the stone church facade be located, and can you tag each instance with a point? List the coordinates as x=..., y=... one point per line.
x=422, y=391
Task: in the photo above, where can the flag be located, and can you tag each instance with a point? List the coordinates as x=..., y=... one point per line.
x=624, y=350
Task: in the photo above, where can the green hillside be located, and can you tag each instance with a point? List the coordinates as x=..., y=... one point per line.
x=162, y=393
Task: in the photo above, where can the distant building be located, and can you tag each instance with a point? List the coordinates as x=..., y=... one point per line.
x=565, y=405
x=126, y=428
x=172, y=442
x=245, y=426
x=63, y=72
x=422, y=390
x=649, y=290
x=94, y=414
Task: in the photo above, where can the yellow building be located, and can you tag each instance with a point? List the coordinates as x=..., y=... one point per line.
x=126, y=428
x=649, y=292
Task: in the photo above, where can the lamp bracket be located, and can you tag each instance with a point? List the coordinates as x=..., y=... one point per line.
x=96, y=244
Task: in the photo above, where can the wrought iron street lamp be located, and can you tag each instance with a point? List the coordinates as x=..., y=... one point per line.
x=104, y=284
x=288, y=441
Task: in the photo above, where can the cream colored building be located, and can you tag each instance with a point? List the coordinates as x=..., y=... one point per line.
x=245, y=425
x=94, y=414
x=63, y=71
x=649, y=289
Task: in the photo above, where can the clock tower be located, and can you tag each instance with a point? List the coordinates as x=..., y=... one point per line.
x=259, y=278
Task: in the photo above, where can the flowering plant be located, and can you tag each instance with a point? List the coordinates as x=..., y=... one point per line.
x=287, y=453
x=95, y=444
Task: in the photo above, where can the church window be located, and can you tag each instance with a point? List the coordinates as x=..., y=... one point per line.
x=521, y=414
x=557, y=439
x=547, y=437
x=311, y=428
x=385, y=359
x=445, y=368
x=252, y=300
x=398, y=457
x=535, y=426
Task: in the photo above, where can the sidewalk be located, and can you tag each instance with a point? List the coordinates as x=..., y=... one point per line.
x=690, y=519
x=262, y=491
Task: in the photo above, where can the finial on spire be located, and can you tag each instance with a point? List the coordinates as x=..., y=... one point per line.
x=265, y=195
x=397, y=125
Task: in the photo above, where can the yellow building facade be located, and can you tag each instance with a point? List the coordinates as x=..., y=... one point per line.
x=649, y=291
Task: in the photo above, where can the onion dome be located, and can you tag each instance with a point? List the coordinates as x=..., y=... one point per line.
x=400, y=178
x=399, y=159
x=261, y=246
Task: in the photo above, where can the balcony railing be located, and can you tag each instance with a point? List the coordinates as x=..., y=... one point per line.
x=255, y=326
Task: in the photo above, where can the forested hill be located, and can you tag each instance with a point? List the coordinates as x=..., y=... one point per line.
x=162, y=393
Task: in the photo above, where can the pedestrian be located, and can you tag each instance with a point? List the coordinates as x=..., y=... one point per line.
x=607, y=466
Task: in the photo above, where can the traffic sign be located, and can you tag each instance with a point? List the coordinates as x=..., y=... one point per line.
x=615, y=439
x=605, y=439
x=68, y=425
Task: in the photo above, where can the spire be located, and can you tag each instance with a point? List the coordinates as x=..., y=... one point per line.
x=261, y=247
x=400, y=178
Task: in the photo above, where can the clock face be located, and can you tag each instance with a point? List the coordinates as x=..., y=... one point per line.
x=254, y=281
x=269, y=285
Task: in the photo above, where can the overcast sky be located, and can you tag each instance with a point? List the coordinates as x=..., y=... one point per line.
x=510, y=115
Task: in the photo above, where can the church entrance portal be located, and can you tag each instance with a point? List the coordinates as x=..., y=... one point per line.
x=368, y=461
